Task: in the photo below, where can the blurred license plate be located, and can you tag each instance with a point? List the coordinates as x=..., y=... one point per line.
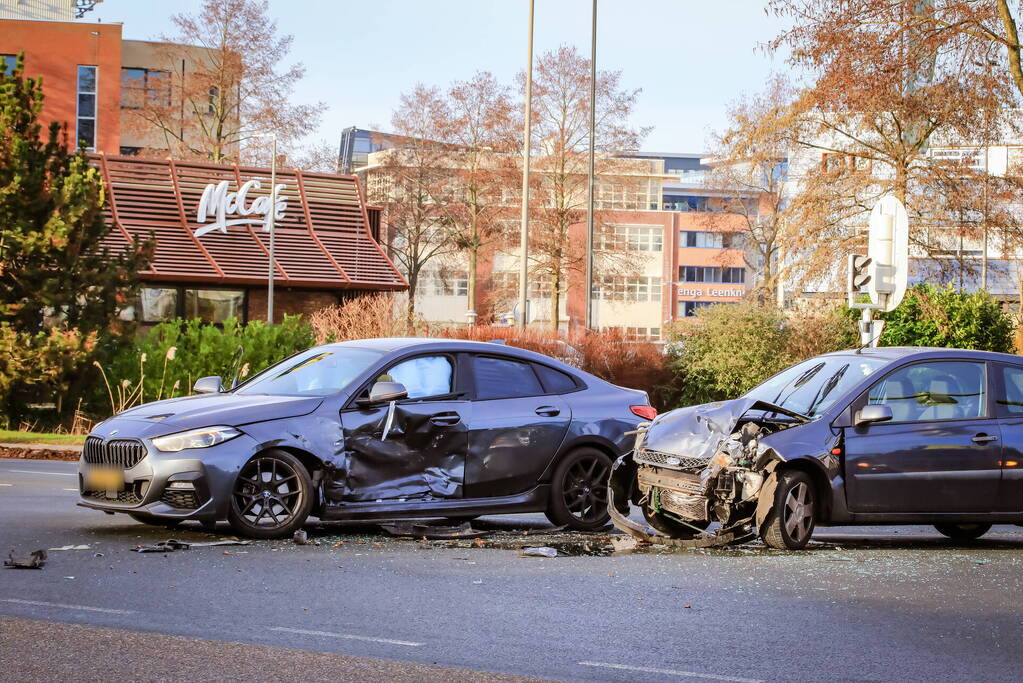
x=104, y=479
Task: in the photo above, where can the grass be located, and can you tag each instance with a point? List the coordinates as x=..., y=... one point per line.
x=13, y=436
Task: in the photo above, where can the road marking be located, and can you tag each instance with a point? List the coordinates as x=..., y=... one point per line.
x=669, y=672
x=40, y=603
x=346, y=636
x=6, y=484
x=58, y=474
x=75, y=490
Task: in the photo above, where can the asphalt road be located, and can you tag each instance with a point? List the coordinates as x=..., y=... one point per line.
x=863, y=604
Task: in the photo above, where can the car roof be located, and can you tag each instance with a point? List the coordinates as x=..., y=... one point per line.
x=894, y=353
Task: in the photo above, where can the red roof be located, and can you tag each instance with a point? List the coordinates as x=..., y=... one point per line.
x=323, y=240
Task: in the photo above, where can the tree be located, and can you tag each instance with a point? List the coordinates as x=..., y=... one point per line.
x=413, y=183
x=233, y=91
x=561, y=106
x=482, y=131
x=54, y=262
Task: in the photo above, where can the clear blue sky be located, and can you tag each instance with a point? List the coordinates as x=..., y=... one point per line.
x=690, y=57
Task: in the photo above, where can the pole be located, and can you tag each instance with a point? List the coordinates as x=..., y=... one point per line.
x=526, y=139
x=588, y=293
x=271, y=217
x=983, y=263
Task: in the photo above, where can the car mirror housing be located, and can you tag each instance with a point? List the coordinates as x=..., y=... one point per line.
x=871, y=413
x=208, y=385
x=382, y=392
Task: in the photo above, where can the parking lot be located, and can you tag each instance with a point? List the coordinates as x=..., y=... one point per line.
x=884, y=603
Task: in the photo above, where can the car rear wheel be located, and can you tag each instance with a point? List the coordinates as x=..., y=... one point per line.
x=790, y=523
x=579, y=490
x=271, y=497
x=672, y=527
x=963, y=532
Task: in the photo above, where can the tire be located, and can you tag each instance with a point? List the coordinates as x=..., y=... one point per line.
x=790, y=523
x=670, y=527
x=259, y=507
x=578, y=497
x=963, y=532
x=155, y=521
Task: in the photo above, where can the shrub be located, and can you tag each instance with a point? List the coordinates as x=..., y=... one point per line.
x=364, y=317
x=168, y=360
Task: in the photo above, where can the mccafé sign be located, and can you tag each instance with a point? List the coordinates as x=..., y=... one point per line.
x=235, y=208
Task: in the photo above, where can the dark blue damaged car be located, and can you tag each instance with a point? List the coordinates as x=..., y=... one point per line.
x=370, y=429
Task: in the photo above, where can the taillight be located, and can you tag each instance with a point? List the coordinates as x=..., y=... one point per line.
x=645, y=412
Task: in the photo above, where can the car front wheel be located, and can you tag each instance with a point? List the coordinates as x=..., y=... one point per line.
x=963, y=532
x=579, y=490
x=271, y=497
x=790, y=523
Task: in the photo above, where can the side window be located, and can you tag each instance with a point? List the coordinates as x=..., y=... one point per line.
x=423, y=376
x=946, y=390
x=503, y=378
x=555, y=381
x=1012, y=402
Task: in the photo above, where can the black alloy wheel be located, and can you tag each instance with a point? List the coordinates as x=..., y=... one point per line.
x=963, y=532
x=672, y=527
x=272, y=496
x=790, y=523
x=578, y=496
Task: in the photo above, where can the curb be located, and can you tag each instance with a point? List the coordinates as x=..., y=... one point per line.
x=40, y=451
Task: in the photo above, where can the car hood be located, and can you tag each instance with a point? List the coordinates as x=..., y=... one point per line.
x=697, y=431
x=218, y=409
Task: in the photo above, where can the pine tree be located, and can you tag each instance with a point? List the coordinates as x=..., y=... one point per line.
x=54, y=258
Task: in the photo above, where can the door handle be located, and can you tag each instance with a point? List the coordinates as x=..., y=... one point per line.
x=548, y=411
x=446, y=419
x=984, y=438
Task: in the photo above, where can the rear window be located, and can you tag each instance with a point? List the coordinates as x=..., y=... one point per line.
x=555, y=381
x=502, y=378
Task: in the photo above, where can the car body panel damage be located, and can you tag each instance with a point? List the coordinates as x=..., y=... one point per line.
x=699, y=465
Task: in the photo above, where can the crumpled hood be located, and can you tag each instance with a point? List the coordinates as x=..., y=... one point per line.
x=205, y=410
x=696, y=431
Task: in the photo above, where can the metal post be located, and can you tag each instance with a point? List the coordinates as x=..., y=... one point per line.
x=270, y=219
x=588, y=322
x=526, y=139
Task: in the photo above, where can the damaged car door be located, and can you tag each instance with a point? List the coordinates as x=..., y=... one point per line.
x=409, y=449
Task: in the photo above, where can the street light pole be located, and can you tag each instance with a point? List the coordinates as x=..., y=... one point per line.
x=526, y=139
x=588, y=292
x=270, y=219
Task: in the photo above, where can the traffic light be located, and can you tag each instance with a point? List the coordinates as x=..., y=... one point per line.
x=859, y=272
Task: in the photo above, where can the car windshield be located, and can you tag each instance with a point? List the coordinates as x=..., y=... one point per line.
x=317, y=372
x=811, y=387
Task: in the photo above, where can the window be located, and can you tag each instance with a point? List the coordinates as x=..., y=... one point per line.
x=712, y=274
x=317, y=372
x=612, y=288
x=630, y=238
x=444, y=284
x=214, y=305
x=155, y=304
x=710, y=240
x=130, y=151
x=423, y=376
x=812, y=386
x=144, y=86
x=86, y=119
x=638, y=334
x=502, y=378
x=1011, y=403
x=946, y=390
x=688, y=309
x=555, y=381
x=8, y=63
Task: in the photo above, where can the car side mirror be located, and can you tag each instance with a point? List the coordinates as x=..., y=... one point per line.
x=383, y=392
x=208, y=385
x=871, y=413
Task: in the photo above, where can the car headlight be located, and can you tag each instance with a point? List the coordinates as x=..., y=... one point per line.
x=194, y=438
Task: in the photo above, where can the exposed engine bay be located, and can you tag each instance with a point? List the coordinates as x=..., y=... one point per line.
x=701, y=465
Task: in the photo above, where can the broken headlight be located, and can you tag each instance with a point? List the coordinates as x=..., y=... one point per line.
x=194, y=438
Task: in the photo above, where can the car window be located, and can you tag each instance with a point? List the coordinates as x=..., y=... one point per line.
x=1012, y=400
x=423, y=376
x=945, y=390
x=555, y=381
x=317, y=372
x=501, y=378
x=811, y=387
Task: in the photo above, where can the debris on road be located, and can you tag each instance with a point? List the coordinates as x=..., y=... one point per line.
x=35, y=560
x=72, y=547
x=538, y=552
x=434, y=532
x=171, y=544
x=301, y=537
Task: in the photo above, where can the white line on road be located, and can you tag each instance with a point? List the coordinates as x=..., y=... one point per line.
x=669, y=672
x=6, y=484
x=75, y=490
x=346, y=636
x=40, y=603
x=59, y=474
